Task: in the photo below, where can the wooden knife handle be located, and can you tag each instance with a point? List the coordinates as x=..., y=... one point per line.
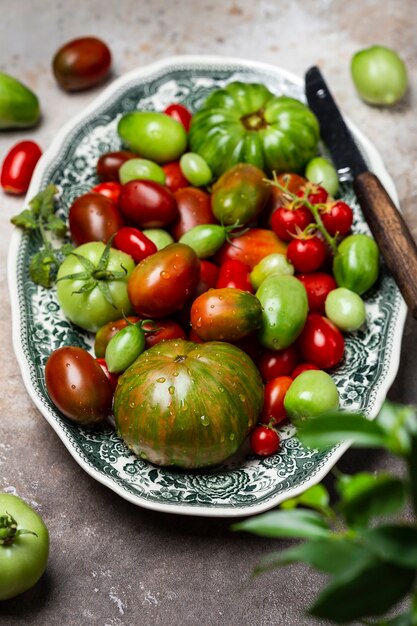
x=392, y=235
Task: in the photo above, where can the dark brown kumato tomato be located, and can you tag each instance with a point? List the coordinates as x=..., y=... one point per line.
x=186, y=404
x=78, y=386
x=93, y=217
x=163, y=282
x=194, y=208
x=81, y=63
x=109, y=164
x=147, y=204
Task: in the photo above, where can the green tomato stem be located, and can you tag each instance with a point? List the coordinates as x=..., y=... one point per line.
x=8, y=530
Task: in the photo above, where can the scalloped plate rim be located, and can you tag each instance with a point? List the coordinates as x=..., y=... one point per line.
x=48, y=156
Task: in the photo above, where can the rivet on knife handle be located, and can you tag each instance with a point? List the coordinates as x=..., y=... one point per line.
x=391, y=234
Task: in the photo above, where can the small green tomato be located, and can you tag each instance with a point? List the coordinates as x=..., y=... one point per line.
x=345, y=309
x=161, y=238
x=321, y=172
x=195, y=169
x=272, y=264
x=125, y=347
x=135, y=169
x=379, y=75
x=313, y=392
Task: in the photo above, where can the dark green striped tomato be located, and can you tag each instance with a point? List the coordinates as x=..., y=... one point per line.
x=205, y=239
x=246, y=123
x=240, y=194
x=225, y=314
x=125, y=347
x=356, y=264
x=285, y=307
x=188, y=405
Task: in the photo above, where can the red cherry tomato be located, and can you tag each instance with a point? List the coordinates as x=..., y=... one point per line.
x=317, y=286
x=337, y=217
x=111, y=377
x=264, y=441
x=194, y=208
x=147, y=204
x=303, y=367
x=234, y=273
x=175, y=179
x=18, y=166
x=274, y=363
x=307, y=255
x=315, y=193
x=134, y=242
x=208, y=277
x=167, y=329
x=286, y=221
x=109, y=164
x=273, y=410
x=111, y=189
x=180, y=113
x=93, y=217
x=320, y=342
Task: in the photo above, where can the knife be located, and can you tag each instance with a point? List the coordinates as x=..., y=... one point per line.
x=391, y=233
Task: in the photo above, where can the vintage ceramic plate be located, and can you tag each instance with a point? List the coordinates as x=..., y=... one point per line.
x=246, y=485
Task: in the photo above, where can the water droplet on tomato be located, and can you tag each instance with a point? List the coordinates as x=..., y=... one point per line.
x=211, y=306
x=199, y=322
x=68, y=365
x=175, y=373
x=171, y=389
x=160, y=380
x=232, y=436
x=143, y=455
x=73, y=387
x=132, y=405
x=165, y=275
x=242, y=397
x=205, y=420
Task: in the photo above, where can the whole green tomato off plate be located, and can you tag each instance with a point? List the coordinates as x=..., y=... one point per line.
x=245, y=485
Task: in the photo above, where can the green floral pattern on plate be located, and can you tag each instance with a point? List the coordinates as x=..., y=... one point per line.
x=245, y=484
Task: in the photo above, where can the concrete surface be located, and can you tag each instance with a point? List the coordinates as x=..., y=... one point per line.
x=111, y=563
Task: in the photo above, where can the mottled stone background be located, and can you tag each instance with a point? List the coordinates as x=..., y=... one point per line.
x=111, y=563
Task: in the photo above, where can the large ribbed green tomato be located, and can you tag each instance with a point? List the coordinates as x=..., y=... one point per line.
x=246, y=123
x=186, y=404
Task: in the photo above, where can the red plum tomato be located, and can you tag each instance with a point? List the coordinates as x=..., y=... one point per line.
x=81, y=63
x=147, y=204
x=18, y=166
x=234, y=273
x=209, y=273
x=78, y=386
x=109, y=164
x=321, y=342
x=317, y=285
x=134, y=242
x=303, y=367
x=174, y=178
x=161, y=330
x=251, y=247
x=274, y=363
x=273, y=411
x=111, y=376
x=93, y=217
x=194, y=209
x=179, y=113
x=110, y=189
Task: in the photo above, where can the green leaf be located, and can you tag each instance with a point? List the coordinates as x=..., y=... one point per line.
x=337, y=426
x=25, y=220
x=317, y=497
x=331, y=555
x=412, y=471
x=394, y=543
x=364, y=496
x=86, y=263
x=405, y=619
x=56, y=225
x=296, y=523
x=373, y=591
x=42, y=266
x=43, y=204
x=104, y=259
x=66, y=249
x=399, y=422
x=105, y=290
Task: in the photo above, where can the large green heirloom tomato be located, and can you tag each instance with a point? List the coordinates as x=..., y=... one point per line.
x=92, y=285
x=246, y=123
x=24, y=546
x=186, y=404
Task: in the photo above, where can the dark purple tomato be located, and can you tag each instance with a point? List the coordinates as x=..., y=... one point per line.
x=81, y=63
x=148, y=204
x=194, y=208
x=93, y=217
x=109, y=164
x=78, y=386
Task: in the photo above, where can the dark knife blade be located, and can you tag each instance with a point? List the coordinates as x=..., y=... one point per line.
x=388, y=226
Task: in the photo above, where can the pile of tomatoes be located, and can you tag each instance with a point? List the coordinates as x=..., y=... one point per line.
x=164, y=252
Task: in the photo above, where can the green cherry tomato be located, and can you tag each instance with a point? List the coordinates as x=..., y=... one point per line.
x=24, y=546
x=285, y=307
x=195, y=169
x=205, y=239
x=125, y=347
x=19, y=107
x=313, y=392
x=379, y=75
x=345, y=309
x=154, y=136
x=161, y=238
x=321, y=172
x=272, y=264
x=135, y=169
x=356, y=264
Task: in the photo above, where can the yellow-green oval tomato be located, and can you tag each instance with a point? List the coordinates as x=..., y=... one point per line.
x=154, y=136
x=285, y=307
x=356, y=264
x=313, y=392
x=125, y=347
x=135, y=169
x=24, y=546
x=92, y=285
x=205, y=239
x=195, y=169
x=161, y=238
x=272, y=264
x=19, y=106
x=379, y=75
x=345, y=309
x=321, y=172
